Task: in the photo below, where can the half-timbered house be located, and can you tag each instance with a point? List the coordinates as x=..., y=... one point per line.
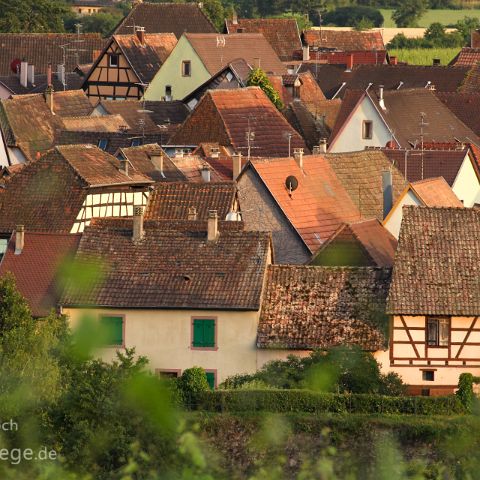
x=127, y=65
x=434, y=299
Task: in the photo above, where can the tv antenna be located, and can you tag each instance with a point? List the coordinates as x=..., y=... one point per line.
x=422, y=125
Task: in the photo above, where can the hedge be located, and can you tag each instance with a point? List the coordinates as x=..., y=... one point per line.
x=282, y=401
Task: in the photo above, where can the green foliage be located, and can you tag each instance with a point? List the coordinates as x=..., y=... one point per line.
x=408, y=12
x=466, y=26
x=102, y=22
x=354, y=16
x=435, y=37
x=465, y=390
x=193, y=382
x=303, y=21
x=259, y=78
x=424, y=56
x=215, y=12
x=29, y=16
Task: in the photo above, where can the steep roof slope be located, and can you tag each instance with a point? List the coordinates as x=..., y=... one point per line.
x=465, y=106
x=435, y=192
x=348, y=40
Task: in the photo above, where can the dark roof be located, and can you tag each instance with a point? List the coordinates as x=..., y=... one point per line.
x=304, y=123
x=436, y=163
x=40, y=49
x=376, y=244
x=173, y=266
x=321, y=307
x=142, y=159
x=346, y=40
x=361, y=176
x=165, y=18
x=171, y=201
x=35, y=269
x=73, y=81
x=436, y=265
x=252, y=47
x=331, y=77
x=467, y=57
x=71, y=103
x=281, y=33
x=465, y=106
x=224, y=117
x=471, y=83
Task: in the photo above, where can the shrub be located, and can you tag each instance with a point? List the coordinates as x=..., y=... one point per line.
x=465, y=390
x=258, y=78
x=193, y=382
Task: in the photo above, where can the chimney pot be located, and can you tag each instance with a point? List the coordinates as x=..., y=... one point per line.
x=236, y=165
x=387, y=188
x=298, y=156
x=192, y=213
x=321, y=147
x=19, y=239
x=138, y=231
x=24, y=73
x=212, y=226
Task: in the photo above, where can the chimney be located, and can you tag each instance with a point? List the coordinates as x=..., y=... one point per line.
x=306, y=53
x=298, y=156
x=140, y=35
x=234, y=18
x=436, y=62
x=49, y=75
x=157, y=159
x=387, y=189
x=323, y=145
x=24, y=73
x=138, y=231
x=236, y=165
x=393, y=60
x=206, y=174
x=124, y=166
x=61, y=74
x=31, y=74
x=381, y=100
x=192, y=213
x=19, y=239
x=49, y=98
x=212, y=228
x=349, y=62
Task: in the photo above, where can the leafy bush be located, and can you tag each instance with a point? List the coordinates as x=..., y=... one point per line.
x=353, y=16
x=465, y=390
x=258, y=78
x=282, y=401
x=193, y=382
x=435, y=37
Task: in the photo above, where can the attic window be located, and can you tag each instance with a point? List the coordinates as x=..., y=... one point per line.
x=186, y=68
x=113, y=60
x=367, y=129
x=136, y=142
x=102, y=143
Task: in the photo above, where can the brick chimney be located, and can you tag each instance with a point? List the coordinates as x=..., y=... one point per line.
x=138, y=231
x=140, y=31
x=298, y=156
x=393, y=60
x=212, y=227
x=349, y=62
x=192, y=213
x=19, y=239
x=124, y=166
x=24, y=73
x=236, y=165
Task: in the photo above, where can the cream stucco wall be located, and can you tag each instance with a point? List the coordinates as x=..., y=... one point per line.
x=350, y=138
x=171, y=74
x=466, y=186
x=394, y=219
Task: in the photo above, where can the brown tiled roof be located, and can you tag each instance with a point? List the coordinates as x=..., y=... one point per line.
x=223, y=163
x=281, y=33
x=225, y=116
x=436, y=265
x=173, y=266
x=191, y=167
x=146, y=59
x=252, y=47
x=434, y=163
x=171, y=201
x=465, y=106
x=309, y=91
x=40, y=49
x=106, y=123
x=320, y=203
x=435, y=192
x=321, y=307
x=141, y=161
x=375, y=242
x=467, y=57
x=165, y=18
x=35, y=269
x=361, y=176
x=348, y=40
x=72, y=103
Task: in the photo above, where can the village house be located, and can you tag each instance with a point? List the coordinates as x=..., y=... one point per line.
x=91, y=7
x=127, y=65
x=183, y=294
x=434, y=299
x=198, y=57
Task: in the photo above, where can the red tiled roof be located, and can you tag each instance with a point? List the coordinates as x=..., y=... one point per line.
x=467, y=57
x=35, y=268
x=281, y=33
x=356, y=57
x=350, y=40
x=435, y=192
x=319, y=307
x=320, y=203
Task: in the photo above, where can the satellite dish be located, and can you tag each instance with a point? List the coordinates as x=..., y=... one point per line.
x=291, y=183
x=15, y=65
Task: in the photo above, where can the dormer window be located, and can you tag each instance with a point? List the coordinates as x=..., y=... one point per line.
x=102, y=143
x=113, y=60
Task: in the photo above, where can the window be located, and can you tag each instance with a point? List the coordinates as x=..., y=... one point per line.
x=203, y=333
x=168, y=93
x=136, y=142
x=438, y=332
x=168, y=373
x=428, y=375
x=113, y=60
x=211, y=378
x=102, y=143
x=113, y=330
x=186, y=68
x=367, y=129
x=425, y=392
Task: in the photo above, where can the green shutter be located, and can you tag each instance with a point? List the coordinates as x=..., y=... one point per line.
x=113, y=327
x=211, y=380
x=203, y=333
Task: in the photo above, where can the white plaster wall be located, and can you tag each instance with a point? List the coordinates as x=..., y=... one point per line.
x=466, y=186
x=394, y=221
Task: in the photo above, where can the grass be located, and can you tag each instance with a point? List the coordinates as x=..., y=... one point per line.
x=425, y=56
x=446, y=17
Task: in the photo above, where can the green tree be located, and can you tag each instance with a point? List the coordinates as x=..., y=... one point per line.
x=28, y=16
x=466, y=26
x=409, y=12
x=215, y=12
x=259, y=78
x=103, y=22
